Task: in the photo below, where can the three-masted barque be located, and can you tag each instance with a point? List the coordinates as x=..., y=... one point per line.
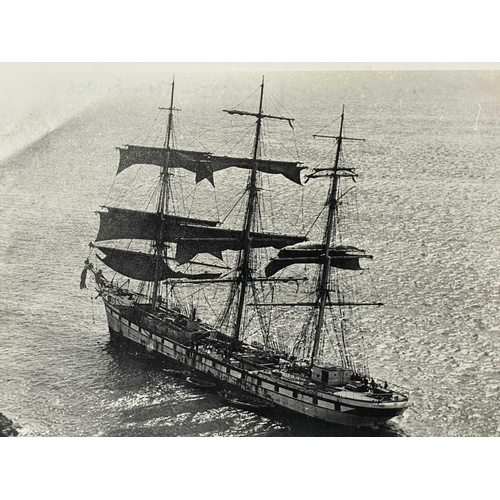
x=314, y=374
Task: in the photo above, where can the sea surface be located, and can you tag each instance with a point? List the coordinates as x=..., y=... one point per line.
x=428, y=204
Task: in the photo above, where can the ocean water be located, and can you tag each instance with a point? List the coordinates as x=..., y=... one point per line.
x=428, y=199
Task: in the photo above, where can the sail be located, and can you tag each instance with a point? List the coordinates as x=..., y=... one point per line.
x=141, y=266
x=193, y=236
x=121, y=223
x=341, y=256
x=203, y=164
x=218, y=240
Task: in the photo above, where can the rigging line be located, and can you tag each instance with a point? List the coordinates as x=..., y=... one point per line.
x=286, y=311
x=157, y=141
x=153, y=138
x=181, y=127
x=247, y=134
x=260, y=315
x=303, y=338
x=154, y=194
x=146, y=130
x=216, y=205
x=246, y=98
x=301, y=213
x=154, y=190
x=316, y=220
x=111, y=188
x=173, y=135
x=192, y=195
x=270, y=94
x=248, y=320
x=180, y=187
x=356, y=205
x=130, y=185
x=244, y=135
x=209, y=304
x=227, y=312
x=234, y=206
x=195, y=139
x=208, y=129
x=271, y=318
x=162, y=142
x=149, y=132
x=240, y=128
x=241, y=206
x=203, y=287
x=269, y=202
x=341, y=349
x=286, y=148
x=330, y=152
x=326, y=126
x=231, y=199
x=286, y=113
x=261, y=151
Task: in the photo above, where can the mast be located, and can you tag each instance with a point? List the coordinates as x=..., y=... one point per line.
x=244, y=269
x=324, y=285
x=163, y=200
x=252, y=202
x=323, y=298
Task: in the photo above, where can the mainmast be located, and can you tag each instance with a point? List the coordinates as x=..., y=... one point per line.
x=163, y=200
x=244, y=268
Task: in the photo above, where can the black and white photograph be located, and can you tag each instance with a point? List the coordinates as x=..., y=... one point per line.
x=212, y=234
x=231, y=253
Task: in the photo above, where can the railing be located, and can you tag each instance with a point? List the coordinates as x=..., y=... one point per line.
x=393, y=387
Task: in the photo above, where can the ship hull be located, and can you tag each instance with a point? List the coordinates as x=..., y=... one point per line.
x=305, y=401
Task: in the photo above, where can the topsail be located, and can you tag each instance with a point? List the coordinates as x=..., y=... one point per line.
x=203, y=164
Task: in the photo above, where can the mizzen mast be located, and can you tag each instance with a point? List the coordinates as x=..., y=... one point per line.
x=324, y=289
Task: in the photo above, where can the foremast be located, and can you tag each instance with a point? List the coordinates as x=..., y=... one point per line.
x=163, y=202
x=191, y=236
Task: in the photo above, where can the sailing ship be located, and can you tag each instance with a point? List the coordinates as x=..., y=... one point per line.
x=314, y=373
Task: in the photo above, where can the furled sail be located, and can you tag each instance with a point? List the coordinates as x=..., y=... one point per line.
x=142, y=266
x=341, y=256
x=203, y=164
x=193, y=236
